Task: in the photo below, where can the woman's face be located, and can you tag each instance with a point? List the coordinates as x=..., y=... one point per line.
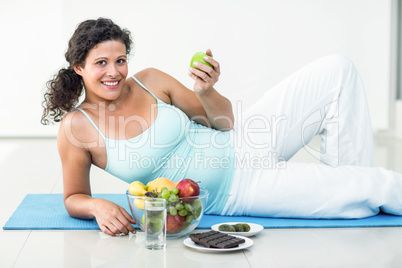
x=104, y=72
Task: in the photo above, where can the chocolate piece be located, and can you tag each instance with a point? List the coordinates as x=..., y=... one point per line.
x=215, y=239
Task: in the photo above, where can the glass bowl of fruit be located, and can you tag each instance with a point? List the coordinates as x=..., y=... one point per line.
x=185, y=203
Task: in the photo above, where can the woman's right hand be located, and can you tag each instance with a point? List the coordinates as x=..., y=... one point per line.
x=76, y=162
x=112, y=218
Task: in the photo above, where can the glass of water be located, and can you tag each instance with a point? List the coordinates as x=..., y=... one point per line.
x=155, y=223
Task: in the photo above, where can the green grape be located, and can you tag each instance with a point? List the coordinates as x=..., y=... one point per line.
x=156, y=226
x=188, y=207
x=174, y=190
x=173, y=198
x=173, y=211
x=165, y=193
x=197, y=203
x=189, y=218
x=155, y=219
x=197, y=212
x=179, y=206
x=160, y=195
x=164, y=188
x=183, y=212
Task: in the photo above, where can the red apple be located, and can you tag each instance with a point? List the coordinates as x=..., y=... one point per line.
x=174, y=223
x=188, y=188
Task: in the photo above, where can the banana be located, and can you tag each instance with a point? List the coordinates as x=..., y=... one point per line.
x=139, y=203
x=137, y=188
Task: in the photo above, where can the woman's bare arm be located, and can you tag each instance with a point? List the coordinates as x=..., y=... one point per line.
x=76, y=163
x=203, y=104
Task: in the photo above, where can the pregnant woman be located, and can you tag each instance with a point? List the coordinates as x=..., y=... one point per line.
x=148, y=125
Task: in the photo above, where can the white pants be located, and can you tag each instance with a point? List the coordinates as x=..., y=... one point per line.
x=324, y=98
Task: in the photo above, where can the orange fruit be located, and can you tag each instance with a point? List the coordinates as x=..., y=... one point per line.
x=159, y=183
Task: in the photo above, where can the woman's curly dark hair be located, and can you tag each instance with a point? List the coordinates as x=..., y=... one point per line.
x=64, y=90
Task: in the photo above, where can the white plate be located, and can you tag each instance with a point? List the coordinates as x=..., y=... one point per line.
x=189, y=243
x=254, y=228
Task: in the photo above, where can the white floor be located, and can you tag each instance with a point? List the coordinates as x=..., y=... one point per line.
x=32, y=166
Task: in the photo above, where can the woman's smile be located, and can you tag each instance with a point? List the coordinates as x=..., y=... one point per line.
x=110, y=84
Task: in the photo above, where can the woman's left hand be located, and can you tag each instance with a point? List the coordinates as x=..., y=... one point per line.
x=206, y=77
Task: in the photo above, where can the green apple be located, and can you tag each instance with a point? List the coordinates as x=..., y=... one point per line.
x=199, y=57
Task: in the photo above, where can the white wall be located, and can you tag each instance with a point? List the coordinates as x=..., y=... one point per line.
x=31, y=50
x=257, y=42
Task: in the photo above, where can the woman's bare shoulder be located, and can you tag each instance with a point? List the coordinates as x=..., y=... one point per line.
x=151, y=75
x=156, y=81
x=73, y=120
x=74, y=130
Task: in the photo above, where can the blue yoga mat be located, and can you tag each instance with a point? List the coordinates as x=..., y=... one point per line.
x=47, y=211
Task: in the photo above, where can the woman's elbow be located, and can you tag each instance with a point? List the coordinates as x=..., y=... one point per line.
x=224, y=123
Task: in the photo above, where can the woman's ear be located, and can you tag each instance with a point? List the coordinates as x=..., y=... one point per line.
x=78, y=69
